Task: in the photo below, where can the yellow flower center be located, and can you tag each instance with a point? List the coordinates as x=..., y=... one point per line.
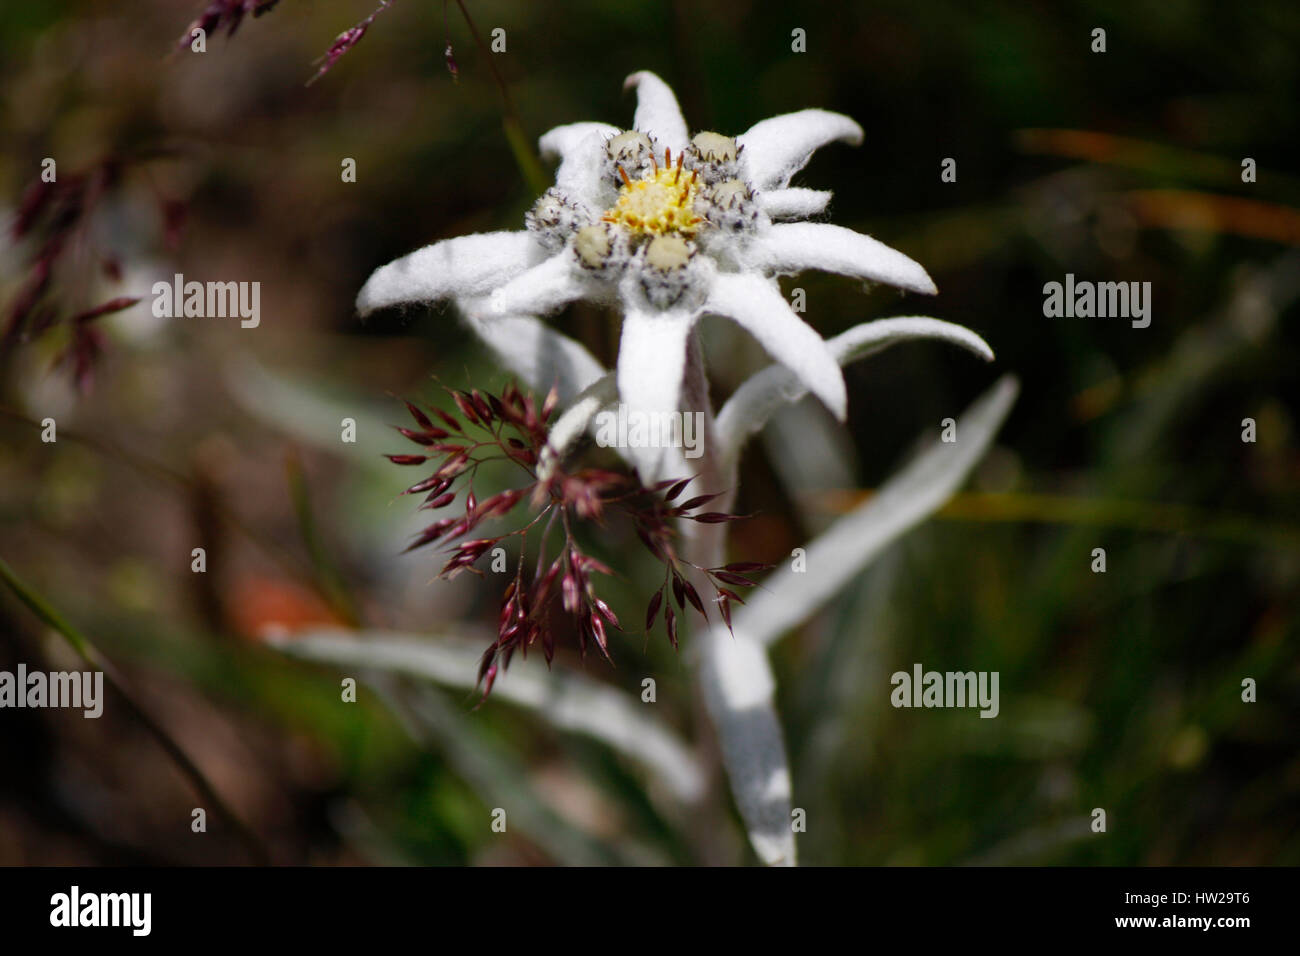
x=662, y=202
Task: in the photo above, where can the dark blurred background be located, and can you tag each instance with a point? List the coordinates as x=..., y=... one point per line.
x=1119, y=691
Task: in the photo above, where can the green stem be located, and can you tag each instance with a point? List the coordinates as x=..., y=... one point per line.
x=329, y=580
x=520, y=146
x=91, y=655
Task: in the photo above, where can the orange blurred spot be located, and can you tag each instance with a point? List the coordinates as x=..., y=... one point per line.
x=263, y=607
x=1205, y=212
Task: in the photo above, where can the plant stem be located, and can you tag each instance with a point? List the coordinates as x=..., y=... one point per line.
x=706, y=543
x=525, y=158
x=705, y=546
x=735, y=677
x=91, y=655
x=329, y=580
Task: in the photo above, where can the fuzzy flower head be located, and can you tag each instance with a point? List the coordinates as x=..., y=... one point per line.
x=665, y=227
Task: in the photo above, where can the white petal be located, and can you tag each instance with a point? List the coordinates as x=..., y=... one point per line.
x=793, y=203
x=871, y=337
x=534, y=351
x=582, y=163
x=777, y=148
x=560, y=142
x=651, y=363
x=756, y=304
x=764, y=393
x=545, y=287
x=834, y=558
x=657, y=111
x=792, y=247
x=465, y=266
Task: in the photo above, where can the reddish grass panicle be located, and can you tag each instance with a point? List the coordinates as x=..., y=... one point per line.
x=561, y=583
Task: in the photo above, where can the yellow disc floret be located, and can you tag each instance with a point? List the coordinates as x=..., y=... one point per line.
x=662, y=202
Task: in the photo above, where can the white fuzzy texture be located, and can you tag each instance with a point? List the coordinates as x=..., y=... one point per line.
x=579, y=175
x=454, y=268
x=651, y=362
x=544, y=288
x=766, y=392
x=788, y=248
x=787, y=598
x=657, y=112
x=756, y=304
x=793, y=202
x=563, y=141
x=777, y=148
x=534, y=351
x=872, y=337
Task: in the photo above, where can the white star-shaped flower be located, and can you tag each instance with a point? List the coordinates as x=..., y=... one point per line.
x=667, y=228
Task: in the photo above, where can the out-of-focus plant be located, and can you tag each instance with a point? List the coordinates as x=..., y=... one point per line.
x=56, y=220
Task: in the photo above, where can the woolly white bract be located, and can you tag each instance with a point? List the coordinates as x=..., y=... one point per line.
x=667, y=228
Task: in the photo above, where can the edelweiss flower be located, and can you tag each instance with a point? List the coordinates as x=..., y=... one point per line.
x=666, y=227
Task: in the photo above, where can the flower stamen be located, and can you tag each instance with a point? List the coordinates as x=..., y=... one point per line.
x=660, y=203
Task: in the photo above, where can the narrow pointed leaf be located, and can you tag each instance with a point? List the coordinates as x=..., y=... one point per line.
x=913, y=494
